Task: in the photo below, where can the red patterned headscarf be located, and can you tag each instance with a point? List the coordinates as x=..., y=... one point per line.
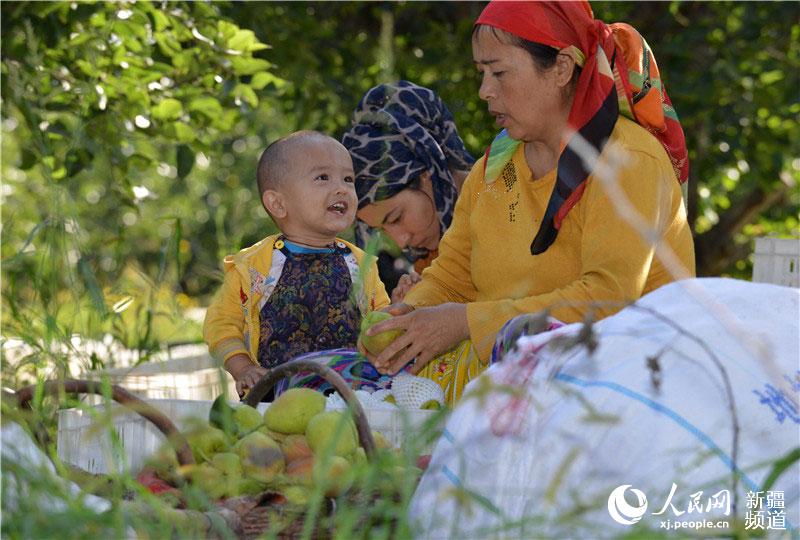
x=619, y=76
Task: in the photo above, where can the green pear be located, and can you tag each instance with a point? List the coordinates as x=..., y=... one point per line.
x=380, y=440
x=205, y=441
x=332, y=431
x=334, y=475
x=377, y=343
x=431, y=405
x=209, y=480
x=261, y=457
x=292, y=410
x=297, y=495
x=246, y=419
x=228, y=463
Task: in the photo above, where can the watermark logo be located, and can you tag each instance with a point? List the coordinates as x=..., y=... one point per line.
x=765, y=509
x=621, y=511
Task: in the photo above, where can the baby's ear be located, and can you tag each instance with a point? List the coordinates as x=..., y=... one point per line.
x=273, y=202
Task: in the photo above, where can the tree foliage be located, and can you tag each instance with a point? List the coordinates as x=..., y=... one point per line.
x=131, y=130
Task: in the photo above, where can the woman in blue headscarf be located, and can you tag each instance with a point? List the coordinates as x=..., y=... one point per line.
x=409, y=163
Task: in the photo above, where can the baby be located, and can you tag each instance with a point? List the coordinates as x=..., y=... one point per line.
x=304, y=289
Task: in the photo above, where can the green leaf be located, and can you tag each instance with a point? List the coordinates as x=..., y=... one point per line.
x=207, y=105
x=249, y=66
x=770, y=77
x=184, y=159
x=167, y=109
x=226, y=30
x=183, y=133
x=262, y=79
x=242, y=40
x=160, y=21
x=245, y=93
x=168, y=44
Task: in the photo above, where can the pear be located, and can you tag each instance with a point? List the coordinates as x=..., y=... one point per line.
x=301, y=470
x=380, y=440
x=332, y=431
x=297, y=495
x=228, y=463
x=246, y=419
x=295, y=447
x=205, y=441
x=377, y=343
x=261, y=457
x=209, y=480
x=292, y=410
x=431, y=405
x=334, y=476
x=359, y=456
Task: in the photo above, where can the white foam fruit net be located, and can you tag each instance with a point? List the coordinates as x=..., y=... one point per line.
x=409, y=392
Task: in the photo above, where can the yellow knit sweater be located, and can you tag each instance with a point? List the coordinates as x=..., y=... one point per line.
x=598, y=261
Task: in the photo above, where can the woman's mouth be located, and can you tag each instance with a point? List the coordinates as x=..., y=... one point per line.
x=499, y=118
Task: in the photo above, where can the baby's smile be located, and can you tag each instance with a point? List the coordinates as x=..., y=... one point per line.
x=340, y=207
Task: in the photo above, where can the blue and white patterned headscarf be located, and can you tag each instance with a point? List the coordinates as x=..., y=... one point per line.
x=400, y=130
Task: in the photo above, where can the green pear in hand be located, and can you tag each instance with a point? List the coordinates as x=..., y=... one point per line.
x=377, y=343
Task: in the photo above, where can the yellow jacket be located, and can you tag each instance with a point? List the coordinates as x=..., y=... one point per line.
x=598, y=261
x=232, y=321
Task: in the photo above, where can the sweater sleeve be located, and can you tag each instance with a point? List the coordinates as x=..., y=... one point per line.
x=224, y=326
x=379, y=299
x=449, y=278
x=615, y=257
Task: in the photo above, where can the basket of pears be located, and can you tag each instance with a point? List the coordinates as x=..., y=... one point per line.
x=271, y=468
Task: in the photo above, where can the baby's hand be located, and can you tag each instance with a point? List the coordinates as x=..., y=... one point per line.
x=248, y=377
x=404, y=285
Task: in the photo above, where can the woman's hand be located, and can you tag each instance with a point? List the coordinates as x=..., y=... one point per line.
x=429, y=332
x=404, y=285
x=244, y=372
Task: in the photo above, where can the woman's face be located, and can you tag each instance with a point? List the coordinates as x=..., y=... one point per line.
x=522, y=100
x=409, y=217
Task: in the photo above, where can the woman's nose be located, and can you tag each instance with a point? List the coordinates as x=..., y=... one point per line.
x=486, y=90
x=400, y=237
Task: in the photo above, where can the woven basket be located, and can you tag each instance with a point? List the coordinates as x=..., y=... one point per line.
x=247, y=516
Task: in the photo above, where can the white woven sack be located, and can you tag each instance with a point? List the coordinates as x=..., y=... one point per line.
x=577, y=427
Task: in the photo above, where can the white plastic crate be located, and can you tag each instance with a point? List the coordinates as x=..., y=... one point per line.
x=194, y=377
x=84, y=443
x=777, y=261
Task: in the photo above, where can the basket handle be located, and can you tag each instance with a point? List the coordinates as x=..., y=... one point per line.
x=121, y=396
x=268, y=381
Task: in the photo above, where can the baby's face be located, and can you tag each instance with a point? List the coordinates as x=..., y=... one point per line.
x=320, y=193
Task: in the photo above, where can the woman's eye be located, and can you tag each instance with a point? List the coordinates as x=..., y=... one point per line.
x=396, y=219
x=498, y=73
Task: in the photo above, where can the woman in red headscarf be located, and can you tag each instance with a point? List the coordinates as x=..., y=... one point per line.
x=576, y=207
